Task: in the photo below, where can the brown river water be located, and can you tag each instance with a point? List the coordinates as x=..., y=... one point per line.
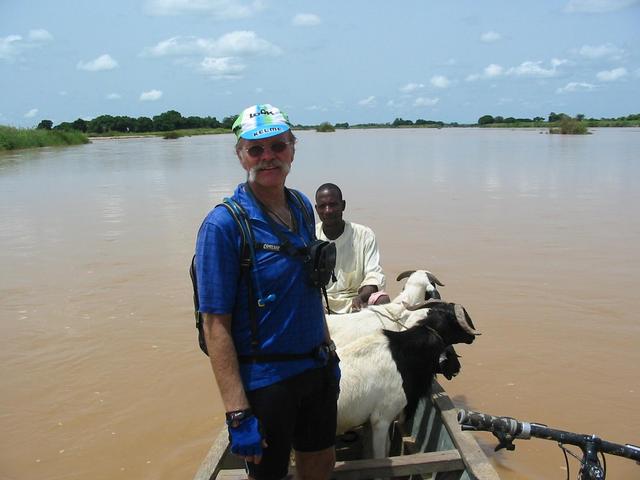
x=536, y=235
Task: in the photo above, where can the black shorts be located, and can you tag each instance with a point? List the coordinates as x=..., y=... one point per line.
x=300, y=412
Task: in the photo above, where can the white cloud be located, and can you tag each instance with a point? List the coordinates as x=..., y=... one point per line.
x=222, y=67
x=411, y=87
x=607, y=50
x=306, y=20
x=150, y=96
x=10, y=46
x=368, y=102
x=493, y=70
x=598, y=6
x=393, y=104
x=40, y=35
x=219, y=9
x=246, y=43
x=237, y=43
x=490, y=37
x=532, y=69
x=576, y=87
x=31, y=113
x=425, y=102
x=440, y=81
x=316, y=108
x=525, y=69
x=114, y=96
x=13, y=46
x=556, y=62
x=103, y=62
x=611, y=75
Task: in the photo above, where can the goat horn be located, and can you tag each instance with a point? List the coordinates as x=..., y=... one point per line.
x=462, y=321
x=404, y=274
x=433, y=279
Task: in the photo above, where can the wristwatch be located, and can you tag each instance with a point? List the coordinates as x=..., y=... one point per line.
x=236, y=417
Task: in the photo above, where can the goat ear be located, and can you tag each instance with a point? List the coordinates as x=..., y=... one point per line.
x=405, y=274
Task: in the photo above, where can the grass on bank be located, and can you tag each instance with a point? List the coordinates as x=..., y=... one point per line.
x=170, y=134
x=17, y=138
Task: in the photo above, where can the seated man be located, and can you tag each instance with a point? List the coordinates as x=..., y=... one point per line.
x=360, y=280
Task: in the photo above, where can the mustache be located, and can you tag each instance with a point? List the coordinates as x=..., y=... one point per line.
x=264, y=165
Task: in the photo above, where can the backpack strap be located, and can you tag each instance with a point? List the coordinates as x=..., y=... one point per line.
x=196, y=304
x=308, y=216
x=239, y=214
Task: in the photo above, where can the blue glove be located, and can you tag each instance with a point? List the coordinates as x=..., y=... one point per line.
x=246, y=438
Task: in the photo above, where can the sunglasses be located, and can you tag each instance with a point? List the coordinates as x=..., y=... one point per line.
x=276, y=147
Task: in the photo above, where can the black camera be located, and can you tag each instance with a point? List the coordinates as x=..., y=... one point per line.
x=320, y=262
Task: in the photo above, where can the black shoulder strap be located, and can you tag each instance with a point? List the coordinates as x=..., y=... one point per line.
x=308, y=216
x=245, y=271
x=239, y=214
x=196, y=304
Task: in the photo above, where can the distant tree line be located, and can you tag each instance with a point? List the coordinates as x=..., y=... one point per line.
x=173, y=120
x=553, y=118
x=399, y=122
x=167, y=121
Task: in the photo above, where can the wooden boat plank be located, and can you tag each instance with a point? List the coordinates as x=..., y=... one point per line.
x=212, y=463
x=476, y=462
x=443, y=461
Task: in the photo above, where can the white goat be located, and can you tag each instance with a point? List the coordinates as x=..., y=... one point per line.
x=384, y=371
x=402, y=312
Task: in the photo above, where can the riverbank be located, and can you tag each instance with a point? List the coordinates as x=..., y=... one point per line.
x=20, y=138
x=190, y=132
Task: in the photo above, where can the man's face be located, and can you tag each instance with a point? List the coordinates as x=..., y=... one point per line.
x=329, y=207
x=267, y=161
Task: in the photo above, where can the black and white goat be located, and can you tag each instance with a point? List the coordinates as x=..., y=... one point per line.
x=386, y=372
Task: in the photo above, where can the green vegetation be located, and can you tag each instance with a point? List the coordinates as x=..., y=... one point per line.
x=17, y=138
x=172, y=135
x=557, y=122
x=399, y=122
x=172, y=124
x=165, y=122
x=325, y=127
x=570, y=126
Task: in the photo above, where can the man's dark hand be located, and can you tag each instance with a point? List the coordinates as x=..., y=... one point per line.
x=362, y=299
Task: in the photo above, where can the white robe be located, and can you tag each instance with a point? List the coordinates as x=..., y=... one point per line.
x=357, y=264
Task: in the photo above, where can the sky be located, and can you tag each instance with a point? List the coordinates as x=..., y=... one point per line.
x=355, y=61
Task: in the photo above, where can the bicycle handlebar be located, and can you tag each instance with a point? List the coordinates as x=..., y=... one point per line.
x=507, y=429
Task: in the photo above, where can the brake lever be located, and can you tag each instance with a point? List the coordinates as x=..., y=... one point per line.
x=505, y=440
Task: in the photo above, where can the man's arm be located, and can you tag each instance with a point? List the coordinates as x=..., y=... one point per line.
x=373, y=276
x=224, y=361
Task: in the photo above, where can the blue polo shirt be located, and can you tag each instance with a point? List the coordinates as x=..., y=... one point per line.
x=293, y=323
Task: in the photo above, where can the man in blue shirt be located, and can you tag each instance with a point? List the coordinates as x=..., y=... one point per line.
x=264, y=327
